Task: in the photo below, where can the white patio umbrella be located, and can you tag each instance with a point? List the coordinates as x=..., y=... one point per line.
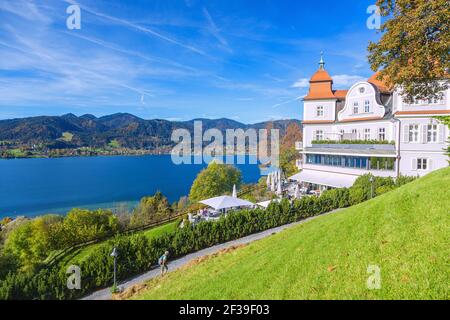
x=268, y=181
x=234, y=191
x=226, y=202
x=272, y=180
x=266, y=204
x=297, y=192
x=279, y=189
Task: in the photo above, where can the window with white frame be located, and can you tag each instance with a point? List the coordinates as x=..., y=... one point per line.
x=319, y=135
x=422, y=164
x=319, y=111
x=432, y=133
x=413, y=133
x=355, y=107
x=382, y=134
x=367, y=106
x=432, y=101
x=367, y=134
x=354, y=134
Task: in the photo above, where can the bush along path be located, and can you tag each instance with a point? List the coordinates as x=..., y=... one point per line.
x=138, y=253
x=105, y=294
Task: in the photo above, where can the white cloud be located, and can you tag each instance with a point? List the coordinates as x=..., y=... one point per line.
x=301, y=83
x=26, y=10
x=288, y=101
x=139, y=28
x=345, y=80
x=214, y=30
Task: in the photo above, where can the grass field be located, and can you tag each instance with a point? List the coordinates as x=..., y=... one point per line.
x=405, y=233
x=114, y=144
x=18, y=153
x=66, y=136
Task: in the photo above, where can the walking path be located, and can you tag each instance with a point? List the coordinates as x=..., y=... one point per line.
x=105, y=294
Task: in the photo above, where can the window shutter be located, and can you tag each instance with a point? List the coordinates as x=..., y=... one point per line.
x=429, y=164
x=414, y=164
x=442, y=137
x=406, y=134
x=424, y=133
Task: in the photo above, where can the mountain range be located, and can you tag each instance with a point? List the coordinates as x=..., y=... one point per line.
x=121, y=129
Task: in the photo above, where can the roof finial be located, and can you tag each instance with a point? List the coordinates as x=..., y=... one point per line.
x=321, y=62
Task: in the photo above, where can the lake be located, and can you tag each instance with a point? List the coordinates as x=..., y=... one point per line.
x=32, y=187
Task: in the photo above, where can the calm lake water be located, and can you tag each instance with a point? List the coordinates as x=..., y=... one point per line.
x=37, y=186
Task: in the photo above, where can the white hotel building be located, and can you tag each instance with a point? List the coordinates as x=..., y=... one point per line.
x=367, y=111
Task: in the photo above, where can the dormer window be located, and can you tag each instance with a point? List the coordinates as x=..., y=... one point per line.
x=355, y=108
x=319, y=111
x=367, y=106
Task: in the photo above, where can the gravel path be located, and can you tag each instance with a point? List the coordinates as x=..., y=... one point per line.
x=105, y=294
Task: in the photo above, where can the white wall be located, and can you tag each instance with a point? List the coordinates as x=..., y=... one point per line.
x=310, y=110
x=355, y=95
x=434, y=151
x=400, y=105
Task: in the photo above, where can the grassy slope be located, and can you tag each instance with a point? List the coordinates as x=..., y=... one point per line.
x=405, y=232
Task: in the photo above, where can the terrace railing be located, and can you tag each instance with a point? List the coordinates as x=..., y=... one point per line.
x=64, y=252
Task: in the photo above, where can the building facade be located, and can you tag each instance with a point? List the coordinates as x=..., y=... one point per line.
x=367, y=129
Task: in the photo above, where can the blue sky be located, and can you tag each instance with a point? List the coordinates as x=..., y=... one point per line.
x=247, y=60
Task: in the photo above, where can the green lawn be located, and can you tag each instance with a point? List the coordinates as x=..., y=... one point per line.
x=85, y=252
x=18, y=153
x=114, y=144
x=66, y=136
x=404, y=232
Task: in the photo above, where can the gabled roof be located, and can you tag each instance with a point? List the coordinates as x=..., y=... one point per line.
x=380, y=84
x=340, y=94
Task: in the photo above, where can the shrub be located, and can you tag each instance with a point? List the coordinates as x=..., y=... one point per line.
x=84, y=225
x=353, y=142
x=362, y=188
x=402, y=180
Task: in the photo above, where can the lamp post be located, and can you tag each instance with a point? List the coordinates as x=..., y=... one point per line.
x=114, y=254
x=371, y=187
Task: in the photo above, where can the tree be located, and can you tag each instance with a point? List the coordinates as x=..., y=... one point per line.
x=216, y=180
x=288, y=154
x=32, y=241
x=83, y=225
x=151, y=209
x=413, y=52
